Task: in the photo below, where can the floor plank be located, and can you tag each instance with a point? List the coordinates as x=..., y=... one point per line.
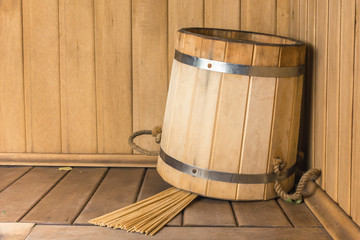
x=44, y=232
x=15, y=231
x=20, y=197
x=260, y=214
x=8, y=175
x=209, y=212
x=299, y=215
x=154, y=184
x=118, y=189
x=63, y=204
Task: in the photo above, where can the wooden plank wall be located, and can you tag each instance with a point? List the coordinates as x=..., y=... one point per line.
x=77, y=77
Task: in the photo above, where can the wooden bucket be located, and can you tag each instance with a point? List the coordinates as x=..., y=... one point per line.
x=233, y=106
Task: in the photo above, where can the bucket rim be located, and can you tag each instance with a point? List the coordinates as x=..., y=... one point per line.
x=189, y=30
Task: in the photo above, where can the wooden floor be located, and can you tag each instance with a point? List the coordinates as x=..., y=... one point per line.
x=45, y=203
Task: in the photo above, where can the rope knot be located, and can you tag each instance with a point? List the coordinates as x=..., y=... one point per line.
x=279, y=166
x=156, y=133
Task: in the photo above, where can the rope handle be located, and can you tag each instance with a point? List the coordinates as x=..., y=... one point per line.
x=279, y=167
x=296, y=197
x=156, y=133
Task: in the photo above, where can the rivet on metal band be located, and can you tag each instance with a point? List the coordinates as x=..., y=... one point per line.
x=223, y=176
x=247, y=70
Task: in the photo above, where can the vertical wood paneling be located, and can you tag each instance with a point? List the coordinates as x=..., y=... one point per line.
x=283, y=17
x=12, y=116
x=184, y=13
x=332, y=107
x=346, y=102
x=41, y=75
x=355, y=176
x=320, y=87
x=294, y=18
x=113, y=75
x=258, y=15
x=310, y=78
x=150, y=60
x=222, y=14
x=78, y=101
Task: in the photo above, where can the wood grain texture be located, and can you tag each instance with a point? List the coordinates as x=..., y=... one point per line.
x=260, y=214
x=15, y=231
x=118, y=189
x=12, y=112
x=152, y=185
x=355, y=164
x=294, y=18
x=77, y=76
x=322, y=18
x=8, y=175
x=222, y=14
x=258, y=16
x=258, y=123
x=285, y=120
x=185, y=13
x=64, y=203
x=283, y=13
x=209, y=212
x=20, y=197
x=176, y=233
x=310, y=77
x=229, y=123
x=41, y=84
x=90, y=160
x=149, y=32
x=299, y=215
x=113, y=75
x=347, y=100
x=332, y=101
x=202, y=116
x=335, y=221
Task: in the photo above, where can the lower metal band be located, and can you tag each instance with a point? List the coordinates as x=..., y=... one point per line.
x=223, y=176
x=247, y=70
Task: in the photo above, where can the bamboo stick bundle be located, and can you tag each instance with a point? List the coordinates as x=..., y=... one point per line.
x=149, y=215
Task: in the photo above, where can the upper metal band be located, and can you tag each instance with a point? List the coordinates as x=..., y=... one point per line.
x=223, y=176
x=248, y=70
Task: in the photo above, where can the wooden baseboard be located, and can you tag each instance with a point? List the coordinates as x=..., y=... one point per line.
x=338, y=224
x=75, y=160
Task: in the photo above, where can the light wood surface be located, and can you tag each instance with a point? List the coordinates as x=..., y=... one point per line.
x=220, y=14
x=118, y=189
x=15, y=231
x=113, y=75
x=347, y=101
x=92, y=233
x=355, y=164
x=299, y=215
x=90, y=160
x=8, y=175
x=24, y=194
x=265, y=214
x=258, y=16
x=149, y=32
x=41, y=75
x=64, y=203
x=77, y=76
x=12, y=114
x=209, y=212
x=336, y=222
